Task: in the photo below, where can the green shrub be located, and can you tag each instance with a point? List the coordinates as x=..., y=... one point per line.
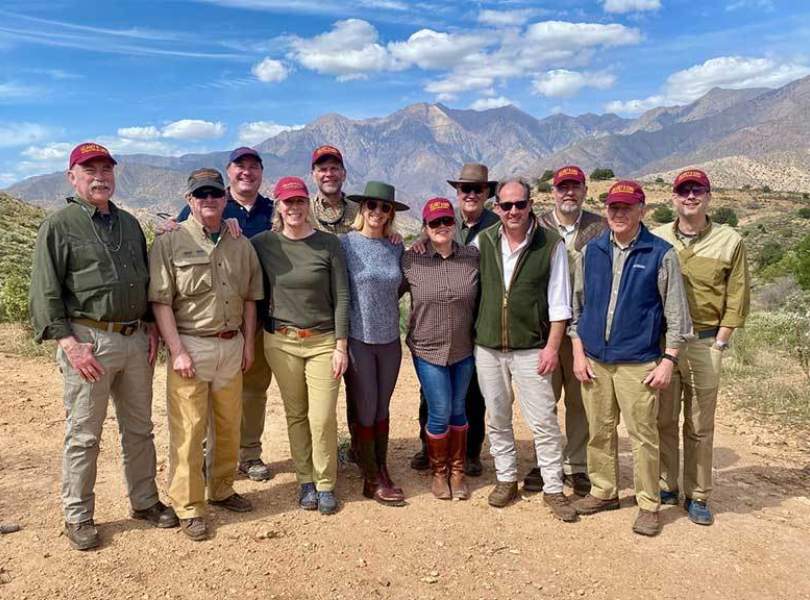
x=746, y=187
x=603, y=196
x=543, y=187
x=801, y=270
x=602, y=174
x=771, y=253
x=14, y=297
x=804, y=212
x=547, y=175
x=805, y=196
x=663, y=214
x=725, y=215
x=659, y=180
x=766, y=189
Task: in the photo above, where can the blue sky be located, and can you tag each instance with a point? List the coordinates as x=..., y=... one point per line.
x=176, y=76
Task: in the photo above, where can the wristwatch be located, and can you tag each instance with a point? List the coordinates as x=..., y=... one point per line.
x=720, y=345
x=670, y=357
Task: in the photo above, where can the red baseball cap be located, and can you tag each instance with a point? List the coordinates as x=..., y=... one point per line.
x=437, y=207
x=625, y=192
x=693, y=175
x=568, y=173
x=290, y=187
x=322, y=152
x=88, y=151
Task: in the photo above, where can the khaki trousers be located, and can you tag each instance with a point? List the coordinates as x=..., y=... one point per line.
x=695, y=382
x=617, y=390
x=212, y=397
x=128, y=379
x=303, y=369
x=255, y=382
x=575, y=451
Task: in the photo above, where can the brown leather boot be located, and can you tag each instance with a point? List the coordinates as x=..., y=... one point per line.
x=364, y=446
x=457, y=456
x=388, y=492
x=438, y=446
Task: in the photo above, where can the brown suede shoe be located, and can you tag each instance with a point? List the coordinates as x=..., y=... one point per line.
x=591, y=504
x=233, y=503
x=503, y=493
x=195, y=528
x=82, y=536
x=647, y=523
x=561, y=507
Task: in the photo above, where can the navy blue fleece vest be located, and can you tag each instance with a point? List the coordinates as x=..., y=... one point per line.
x=638, y=321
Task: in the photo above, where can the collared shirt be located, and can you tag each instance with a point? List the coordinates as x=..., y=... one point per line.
x=567, y=232
x=252, y=220
x=87, y=266
x=715, y=273
x=670, y=289
x=465, y=234
x=205, y=283
x=444, y=295
x=333, y=220
x=559, y=281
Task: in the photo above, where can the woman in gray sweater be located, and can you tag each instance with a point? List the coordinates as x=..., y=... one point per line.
x=373, y=266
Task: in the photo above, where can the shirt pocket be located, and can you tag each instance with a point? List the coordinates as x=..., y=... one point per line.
x=193, y=275
x=90, y=266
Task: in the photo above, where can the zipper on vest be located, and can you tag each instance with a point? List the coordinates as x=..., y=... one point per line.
x=505, y=323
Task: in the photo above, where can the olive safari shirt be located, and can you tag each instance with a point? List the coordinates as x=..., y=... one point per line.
x=87, y=265
x=206, y=283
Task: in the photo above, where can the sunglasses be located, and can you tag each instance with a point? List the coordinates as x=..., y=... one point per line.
x=697, y=190
x=441, y=222
x=467, y=188
x=208, y=193
x=507, y=206
x=385, y=207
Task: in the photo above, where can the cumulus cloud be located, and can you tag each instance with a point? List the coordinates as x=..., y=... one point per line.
x=49, y=152
x=193, y=129
x=20, y=134
x=430, y=49
x=270, y=70
x=487, y=103
x=560, y=83
x=149, y=132
x=625, y=6
x=258, y=131
x=730, y=72
x=505, y=18
x=456, y=83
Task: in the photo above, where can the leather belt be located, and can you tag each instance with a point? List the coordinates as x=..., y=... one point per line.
x=125, y=328
x=223, y=335
x=707, y=333
x=299, y=333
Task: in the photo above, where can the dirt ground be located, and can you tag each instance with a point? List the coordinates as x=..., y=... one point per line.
x=759, y=546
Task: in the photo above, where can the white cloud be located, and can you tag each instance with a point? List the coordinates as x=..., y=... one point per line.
x=566, y=36
x=487, y=103
x=258, y=131
x=193, y=129
x=270, y=70
x=766, y=5
x=561, y=83
x=625, y=6
x=455, y=83
x=505, y=18
x=11, y=90
x=430, y=49
x=49, y=152
x=730, y=72
x=349, y=51
x=20, y=134
x=149, y=132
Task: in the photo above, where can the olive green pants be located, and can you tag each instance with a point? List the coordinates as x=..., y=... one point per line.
x=618, y=390
x=695, y=382
x=255, y=382
x=576, y=422
x=303, y=369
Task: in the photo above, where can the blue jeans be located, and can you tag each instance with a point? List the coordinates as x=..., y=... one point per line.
x=445, y=390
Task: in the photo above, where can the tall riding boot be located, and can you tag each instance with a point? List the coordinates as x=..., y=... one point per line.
x=352, y=454
x=437, y=453
x=366, y=459
x=391, y=493
x=457, y=455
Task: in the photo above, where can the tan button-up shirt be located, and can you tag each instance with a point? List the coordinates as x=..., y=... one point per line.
x=205, y=283
x=337, y=221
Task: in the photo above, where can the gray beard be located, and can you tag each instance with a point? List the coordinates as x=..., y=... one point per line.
x=569, y=209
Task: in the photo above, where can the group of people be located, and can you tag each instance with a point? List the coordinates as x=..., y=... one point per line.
x=610, y=317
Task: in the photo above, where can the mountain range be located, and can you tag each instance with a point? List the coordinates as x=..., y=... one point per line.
x=750, y=136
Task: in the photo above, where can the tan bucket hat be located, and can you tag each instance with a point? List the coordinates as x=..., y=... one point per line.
x=474, y=173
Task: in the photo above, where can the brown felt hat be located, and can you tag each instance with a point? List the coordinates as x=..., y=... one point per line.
x=474, y=173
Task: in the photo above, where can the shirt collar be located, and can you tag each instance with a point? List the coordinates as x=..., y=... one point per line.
x=92, y=208
x=562, y=225
x=431, y=251
x=702, y=234
x=199, y=232
x=632, y=242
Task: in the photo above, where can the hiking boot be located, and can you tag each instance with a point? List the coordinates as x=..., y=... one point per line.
x=561, y=507
x=307, y=496
x=473, y=466
x=533, y=482
x=420, y=460
x=670, y=498
x=255, y=469
x=195, y=528
x=327, y=503
x=233, y=503
x=591, y=504
x=579, y=482
x=457, y=455
x=503, y=493
x=647, y=523
x=158, y=514
x=699, y=512
x=82, y=536
x=438, y=447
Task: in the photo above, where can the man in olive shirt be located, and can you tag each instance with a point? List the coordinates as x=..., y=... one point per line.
x=715, y=273
x=330, y=211
x=88, y=292
x=204, y=287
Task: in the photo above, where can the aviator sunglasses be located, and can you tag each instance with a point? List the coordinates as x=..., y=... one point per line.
x=385, y=207
x=697, y=190
x=507, y=206
x=441, y=222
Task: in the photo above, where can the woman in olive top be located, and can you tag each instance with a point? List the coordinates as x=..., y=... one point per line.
x=373, y=265
x=443, y=282
x=305, y=340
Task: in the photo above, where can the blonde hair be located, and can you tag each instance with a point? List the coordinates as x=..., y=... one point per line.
x=360, y=221
x=278, y=222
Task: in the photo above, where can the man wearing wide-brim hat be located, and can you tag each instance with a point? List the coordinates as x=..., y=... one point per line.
x=473, y=189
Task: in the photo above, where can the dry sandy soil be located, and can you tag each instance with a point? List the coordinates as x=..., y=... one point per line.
x=759, y=546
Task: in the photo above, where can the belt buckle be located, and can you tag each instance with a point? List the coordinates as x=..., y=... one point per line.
x=129, y=329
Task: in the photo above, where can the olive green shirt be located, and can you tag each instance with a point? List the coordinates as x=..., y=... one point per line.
x=206, y=283
x=87, y=266
x=337, y=221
